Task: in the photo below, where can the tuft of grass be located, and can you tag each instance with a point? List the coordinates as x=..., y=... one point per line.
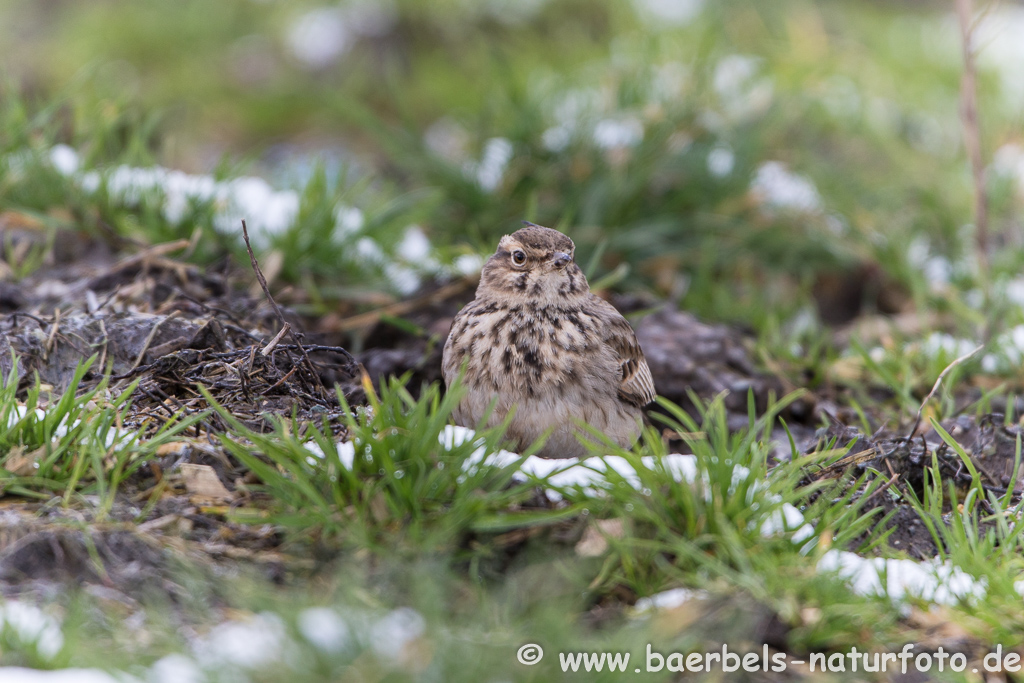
x=74, y=444
x=402, y=478
x=974, y=526
x=703, y=511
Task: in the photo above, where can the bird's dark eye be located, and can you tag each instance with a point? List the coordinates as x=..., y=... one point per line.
x=518, y=257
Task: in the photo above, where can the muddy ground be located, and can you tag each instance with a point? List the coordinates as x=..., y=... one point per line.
x=176, y=328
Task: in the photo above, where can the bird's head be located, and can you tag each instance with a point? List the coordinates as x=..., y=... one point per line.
x=534, y=264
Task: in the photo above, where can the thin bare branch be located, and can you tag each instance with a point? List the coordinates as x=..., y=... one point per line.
x=972, y=131
x=280, y=314
x=938, y=383
x=266, y=351
x=149, y=340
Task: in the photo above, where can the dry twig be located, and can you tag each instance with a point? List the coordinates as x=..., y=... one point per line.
x=972, y=132
x=102, y=365
x=280, y=314
x=266, y=351
x=150, y=253
x=149, y=340
x=938, y=382
x=53, y=334
x=884, y=487
x=356, y=322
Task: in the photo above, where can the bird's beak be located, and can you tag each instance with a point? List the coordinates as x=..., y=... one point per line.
x=560, y=259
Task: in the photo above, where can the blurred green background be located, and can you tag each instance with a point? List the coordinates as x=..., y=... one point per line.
x=776, y=164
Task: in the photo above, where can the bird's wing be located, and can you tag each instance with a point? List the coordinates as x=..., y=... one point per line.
x=636, y=386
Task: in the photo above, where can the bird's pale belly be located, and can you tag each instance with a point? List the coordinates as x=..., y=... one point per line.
x=558, y=413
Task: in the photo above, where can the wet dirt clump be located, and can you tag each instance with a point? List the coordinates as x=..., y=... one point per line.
x=182, y=333
x=899, y=477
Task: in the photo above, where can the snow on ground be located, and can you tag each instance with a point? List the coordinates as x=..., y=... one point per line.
x=235, y=645
x=937, y=582
x=26, y=624
x=667, y=14
x=270, y=212
x=666, y=600
x=940, y=583
x=590, y=475
x=16, y=674
x=322, y=36
x=112, y=436
x=778, y=187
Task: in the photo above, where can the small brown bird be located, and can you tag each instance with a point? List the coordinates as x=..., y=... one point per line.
x=536, y=340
